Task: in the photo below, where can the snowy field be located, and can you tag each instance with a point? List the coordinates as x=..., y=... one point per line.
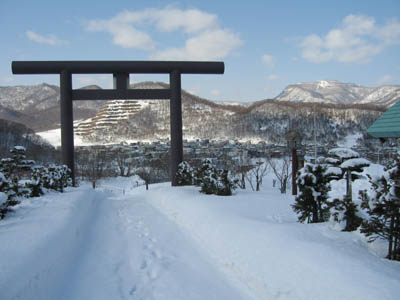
x=123, y=242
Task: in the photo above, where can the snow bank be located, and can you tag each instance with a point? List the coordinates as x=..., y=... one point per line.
x=121, y=242
x=255, y=240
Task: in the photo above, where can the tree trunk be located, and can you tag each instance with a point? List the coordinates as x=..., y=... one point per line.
x=243, y=181
x=390, y=250
x=315, y=213
x=348, y=186
x=283, y=186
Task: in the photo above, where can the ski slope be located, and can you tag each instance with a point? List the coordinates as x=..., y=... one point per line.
x=123, y=242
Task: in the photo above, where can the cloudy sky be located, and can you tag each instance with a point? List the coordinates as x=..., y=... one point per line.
x=266, y=45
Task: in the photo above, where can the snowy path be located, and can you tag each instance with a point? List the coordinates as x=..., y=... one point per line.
x=120, y=242
x=103, y=245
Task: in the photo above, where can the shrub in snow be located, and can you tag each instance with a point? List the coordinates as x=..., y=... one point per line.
x=311, y=204
x=7, y=194
x=4, y=188
x=207, y=177
x=13, y=168
x=345, y=164
x=184, y=175
x=383, y=208
x=225, y=183
x=55, y=177
x=346, y=211
x=20, y=178
x=204, y=170
x=3, y=198
x=213, y=180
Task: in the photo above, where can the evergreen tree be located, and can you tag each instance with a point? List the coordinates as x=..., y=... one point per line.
x=19, y=178
x=311, y=204
x=207, y=177
x=225, y=183
x=346, y=163
x=184, y=175
x=214, y=181
x=345, y=210
x=384, y=211
x=200, y=172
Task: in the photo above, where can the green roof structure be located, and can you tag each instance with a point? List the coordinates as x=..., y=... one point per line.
x=388, y=124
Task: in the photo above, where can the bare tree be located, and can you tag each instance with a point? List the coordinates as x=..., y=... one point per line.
x=146, y=174
x=153, y=170
x=240, y=169
x=93, y=166
x=257, y=171
x=282, y=170
x=241, y=172
x=125, y=162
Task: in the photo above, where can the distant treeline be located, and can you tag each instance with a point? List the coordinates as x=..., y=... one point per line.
x=13, y=134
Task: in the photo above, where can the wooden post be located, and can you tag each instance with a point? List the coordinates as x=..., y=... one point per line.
x=294, y=170
x=176, y=124
x=67, y=122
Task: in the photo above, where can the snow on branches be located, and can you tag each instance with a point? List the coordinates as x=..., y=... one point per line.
x=21, y=178
x=208, y=177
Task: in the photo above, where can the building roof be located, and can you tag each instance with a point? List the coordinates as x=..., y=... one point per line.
x=388, y=124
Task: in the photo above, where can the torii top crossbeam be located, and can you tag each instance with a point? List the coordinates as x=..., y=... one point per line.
x=105, y=67
x=120, y=71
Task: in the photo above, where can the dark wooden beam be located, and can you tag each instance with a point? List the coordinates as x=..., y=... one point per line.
x=105, y=67
x=139, y=94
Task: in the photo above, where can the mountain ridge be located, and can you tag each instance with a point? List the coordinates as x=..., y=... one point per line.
x=267, y=119
x=332, y=91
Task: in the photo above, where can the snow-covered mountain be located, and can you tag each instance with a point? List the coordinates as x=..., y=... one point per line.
x=335, y=92
x=383, y=95
x=38, y=106
x=267, y=120
x=34, y=98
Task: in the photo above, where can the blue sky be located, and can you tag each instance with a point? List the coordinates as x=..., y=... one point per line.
x=266, y=45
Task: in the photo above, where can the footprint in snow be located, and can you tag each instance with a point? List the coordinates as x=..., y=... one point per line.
x=133, y=290
x=153, y=273
x=156, y=253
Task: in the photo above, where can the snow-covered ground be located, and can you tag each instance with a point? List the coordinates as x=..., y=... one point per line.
x=53, y=137
x=123, y=242
x=350, y=141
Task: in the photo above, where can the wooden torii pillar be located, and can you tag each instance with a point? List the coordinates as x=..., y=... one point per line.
x=120, y=71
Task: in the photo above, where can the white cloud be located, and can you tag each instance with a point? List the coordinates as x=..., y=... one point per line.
x=204, y=38
x=268, y=60
x=50, y=39
x=357, y=40
x=209, y=45
x=123, y=34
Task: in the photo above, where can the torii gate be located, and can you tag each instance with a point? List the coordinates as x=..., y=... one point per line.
x=120, y=71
